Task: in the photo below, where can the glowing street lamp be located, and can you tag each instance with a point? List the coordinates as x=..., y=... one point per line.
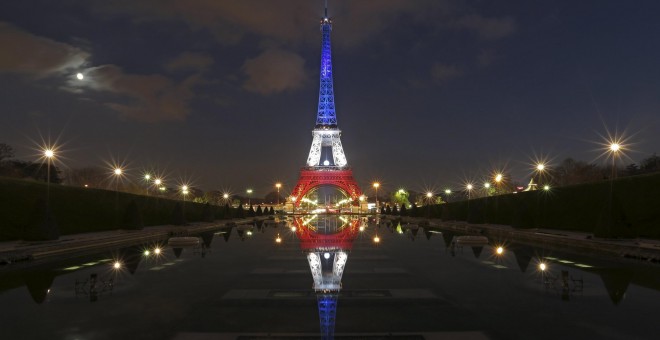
x=118, y=172
x=614, y=150
x=361, y=198
x=376, y=185
x=158, y=183
x=278, y=186
x=293, y=204
x=249, y=193
x=184, y=193
x=147, y=179
x=546, y=187
x=542, y=266
x=540, y=169
x=429, y=197
x=49, y=154
x=469, y=188
x=499, y=177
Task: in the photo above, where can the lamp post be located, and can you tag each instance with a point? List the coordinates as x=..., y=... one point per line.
x=249, y=193
x=293, y=204
x=118, y=172
x=360, y=206
x=498, y=181
x=147, y=178
x=540, y=170
x=447, y=193
x=429, y=196
x=614, y=150
x=157, y=183
x=184, y=192
x=278, y=186
x=376, y=185
x=49, y=154
x=469, y=188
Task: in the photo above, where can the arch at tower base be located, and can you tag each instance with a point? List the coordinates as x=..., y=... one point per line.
x=311, y=178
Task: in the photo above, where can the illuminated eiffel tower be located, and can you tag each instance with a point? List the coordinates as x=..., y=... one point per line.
x=326, y=163
x=327, y=255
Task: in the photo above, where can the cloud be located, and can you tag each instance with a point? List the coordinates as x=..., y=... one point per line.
x=273, y=71
x=442, y=72
x=146, y=98
x=355, y=21
x=25, y=53
x=230, y=21
x=188, y=61
x=487, y=28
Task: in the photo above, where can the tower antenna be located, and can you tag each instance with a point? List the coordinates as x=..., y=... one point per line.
x=326, y=8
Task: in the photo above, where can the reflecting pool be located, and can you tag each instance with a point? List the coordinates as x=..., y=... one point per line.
x=325, y=276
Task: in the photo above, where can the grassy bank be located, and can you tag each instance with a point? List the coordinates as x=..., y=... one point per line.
x=626, y=207
x=78, y=210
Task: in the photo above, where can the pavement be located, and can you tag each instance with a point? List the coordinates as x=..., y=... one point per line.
x=75, y=244
x=637, y=248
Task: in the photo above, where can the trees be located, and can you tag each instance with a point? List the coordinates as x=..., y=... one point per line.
x=400, y=197
x=651, y=164
x=214, y=197
x=403, y=211
x=6, y=151
x=91, y=176
x=571, y=172
x=37, y=171
x=272, y=198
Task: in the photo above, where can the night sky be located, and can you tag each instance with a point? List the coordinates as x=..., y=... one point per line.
x=428, y=93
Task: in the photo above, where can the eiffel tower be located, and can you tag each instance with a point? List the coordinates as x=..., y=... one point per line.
x=327, y=255
x=326, y=163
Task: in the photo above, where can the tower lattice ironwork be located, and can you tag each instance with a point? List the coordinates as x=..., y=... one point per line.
x=326, y=163
x=327, y=255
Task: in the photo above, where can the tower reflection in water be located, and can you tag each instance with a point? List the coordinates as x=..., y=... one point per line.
x=327, y=239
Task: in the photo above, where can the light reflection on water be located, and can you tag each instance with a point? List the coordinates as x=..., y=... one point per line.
x=327, y=276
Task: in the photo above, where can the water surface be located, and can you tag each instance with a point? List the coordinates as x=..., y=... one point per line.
x=411, y=284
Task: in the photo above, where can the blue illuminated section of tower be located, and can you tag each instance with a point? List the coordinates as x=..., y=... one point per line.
x=327, y=314
x=326, y=116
